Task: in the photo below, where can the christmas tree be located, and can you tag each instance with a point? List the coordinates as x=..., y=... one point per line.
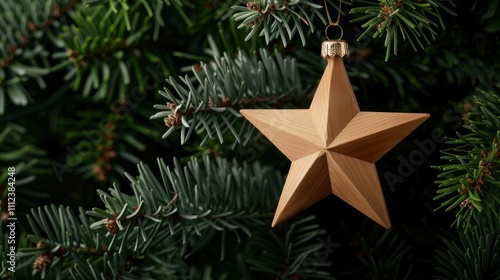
x=124, y=154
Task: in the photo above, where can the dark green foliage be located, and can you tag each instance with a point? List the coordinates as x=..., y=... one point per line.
x=278, y=19
x=304, y=249
x=412, y=20
x=471, y=181
x=381, y=254
x=166, y=220
x=60, y=235
x=93, y=54
x=476, y=255
x=105, y=152
x=472, y=172
x=24, y=26
x=28, y=162
x=209, y=101
x=104, y=51
x=488, y=12
x=88, y=75
x=153, y=8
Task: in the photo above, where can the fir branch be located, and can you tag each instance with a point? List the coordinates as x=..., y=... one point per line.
x=47, y=14
x=166, y=218
x=294, y=251
x=278, y=19
x=208, y=101
x=409, y=19
x=153, y=9
x=380, y=254
x=68, y=247
x=101, y=52
x=58, y=235
x=461, y=67
x=474, y=160
x=476, y=254
x=402, y=75
x=111, y=142
x=22, y=162
x=187, y=202
x=22, y=56
x=28, y=162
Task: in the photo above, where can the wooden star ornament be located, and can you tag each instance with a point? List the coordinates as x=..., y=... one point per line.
x=332, y=145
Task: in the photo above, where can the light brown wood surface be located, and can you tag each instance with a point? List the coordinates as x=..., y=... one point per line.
x=333, y=147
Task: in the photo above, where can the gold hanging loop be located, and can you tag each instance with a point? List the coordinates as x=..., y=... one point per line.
x=335, y=25
x=331, y=23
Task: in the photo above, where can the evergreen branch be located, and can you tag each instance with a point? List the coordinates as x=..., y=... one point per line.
x=171, y=217
x=68, y=247
x=153, y=9
x=476, y=255
x=58, y=235
x=35, y=108
x=22, y=162
x=386, y=256
x=473, y=169
x=101, y=52
x=278, y=19
x=187, y=202
x=28, y=162
x=108, y=147
x=461, y=67
x=22, y=56
x=402, y=74
x=29, y=25
x=409, y=19
x=381, y=254
x=208, y=102
x=292, y=251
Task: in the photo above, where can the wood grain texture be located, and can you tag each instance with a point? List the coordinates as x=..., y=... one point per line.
x=279, y=126
x=333, y=110
x=370, y=135
x=333, y=147
x=306, y=184
x=356, y=182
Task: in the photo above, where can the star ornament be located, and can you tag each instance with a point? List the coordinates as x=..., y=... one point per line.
x=333, y=146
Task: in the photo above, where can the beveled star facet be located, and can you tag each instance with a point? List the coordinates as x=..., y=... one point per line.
x=333, y=147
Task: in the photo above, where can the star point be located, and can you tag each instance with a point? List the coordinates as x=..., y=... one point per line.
x=333, y=147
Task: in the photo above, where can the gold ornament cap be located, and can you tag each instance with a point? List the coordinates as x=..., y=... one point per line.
x=334, y=48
